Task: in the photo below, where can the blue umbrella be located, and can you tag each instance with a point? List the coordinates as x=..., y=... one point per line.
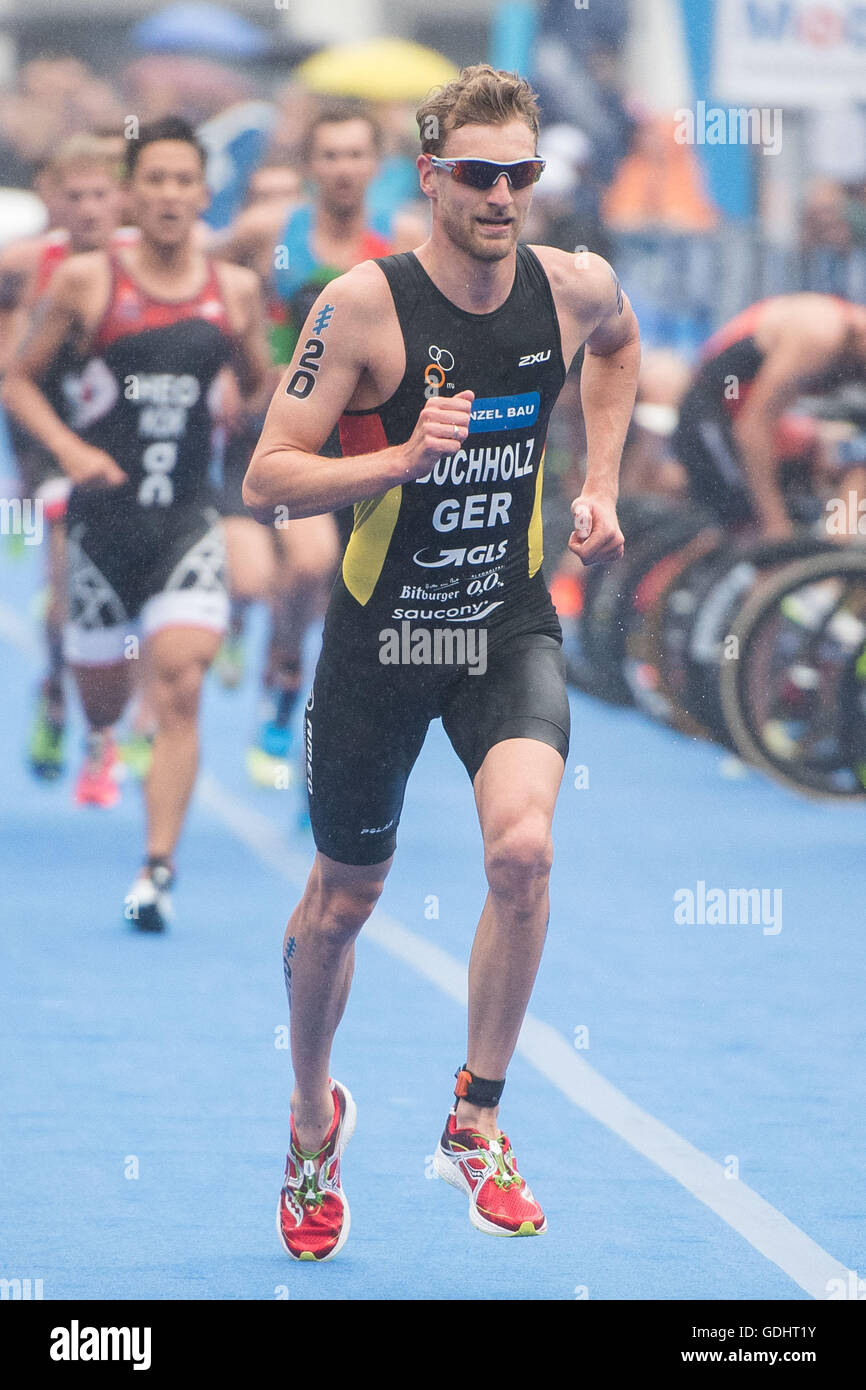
x=197, y=27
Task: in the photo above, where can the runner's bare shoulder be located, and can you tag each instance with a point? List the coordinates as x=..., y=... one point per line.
x=365, y=282
x=81, y=278
x=817, y=321
x=237, y=282
x=361, y=297
x=22, y=257
x=581, y=278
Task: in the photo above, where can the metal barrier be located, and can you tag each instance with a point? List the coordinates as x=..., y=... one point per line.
x=684, y=287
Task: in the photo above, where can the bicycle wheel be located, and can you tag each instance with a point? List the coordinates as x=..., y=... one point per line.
x=644, y=655
x=616, y=605
x=788, y=699
x=592, y=652
x=854, y=701
x=698, y=615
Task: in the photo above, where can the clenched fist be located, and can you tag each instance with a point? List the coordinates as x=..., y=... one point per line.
x=596, y=537
x=442, y=427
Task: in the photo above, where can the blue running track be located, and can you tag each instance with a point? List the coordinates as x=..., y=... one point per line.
x=688, y=1100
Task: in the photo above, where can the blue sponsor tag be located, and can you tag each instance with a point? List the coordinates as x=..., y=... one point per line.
x=504, y=412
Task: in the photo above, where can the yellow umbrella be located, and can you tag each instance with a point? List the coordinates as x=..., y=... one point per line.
x=377, y=70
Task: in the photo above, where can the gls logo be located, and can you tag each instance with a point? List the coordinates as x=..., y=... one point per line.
x=530, y=359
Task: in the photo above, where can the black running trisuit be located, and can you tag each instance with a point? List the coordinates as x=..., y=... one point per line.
x=458, y=551
x=150, y=551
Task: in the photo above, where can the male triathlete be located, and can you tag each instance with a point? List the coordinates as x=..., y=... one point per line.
x=441, y=367
x=157, y=322
x=86, y=194
x=299, y=252
x=731, y=434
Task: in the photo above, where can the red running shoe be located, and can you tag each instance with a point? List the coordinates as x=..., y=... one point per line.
x=313, y=1214
x=97, y=785
x=500, y=1201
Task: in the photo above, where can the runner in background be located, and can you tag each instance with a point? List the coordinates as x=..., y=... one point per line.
x=299, y=252
x=156, y=323
x=274, y=190
x=733, y=434
x=85, y=197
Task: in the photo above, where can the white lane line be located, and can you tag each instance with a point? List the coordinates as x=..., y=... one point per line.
x=756, y=1220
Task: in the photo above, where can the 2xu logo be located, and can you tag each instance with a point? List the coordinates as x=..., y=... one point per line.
x=530, y=358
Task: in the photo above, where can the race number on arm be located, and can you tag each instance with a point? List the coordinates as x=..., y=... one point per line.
x=340, y=349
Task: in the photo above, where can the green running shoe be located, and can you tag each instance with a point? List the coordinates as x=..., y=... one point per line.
x=229, y=664
x=266, y=770
x=45, y=755
x=136, y=754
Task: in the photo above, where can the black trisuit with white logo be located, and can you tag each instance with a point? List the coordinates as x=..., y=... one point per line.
x=440, y=608
x=152, y=549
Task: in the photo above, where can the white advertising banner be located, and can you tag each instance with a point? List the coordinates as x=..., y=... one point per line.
x=796, y=53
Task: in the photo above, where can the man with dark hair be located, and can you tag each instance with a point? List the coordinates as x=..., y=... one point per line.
x=334, y=111
x=440, y=367
x=156, y=322
x=301, y=250
x=173, y=128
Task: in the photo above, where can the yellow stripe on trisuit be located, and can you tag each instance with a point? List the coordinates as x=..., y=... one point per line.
x=375, y=521
x=536, y=533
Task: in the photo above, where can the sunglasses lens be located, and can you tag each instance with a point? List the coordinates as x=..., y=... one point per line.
x=478, y=173
x=475, y=173
x=526, y=173
x=522, y=175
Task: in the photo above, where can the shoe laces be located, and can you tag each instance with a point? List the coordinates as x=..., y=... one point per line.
x=309, y=1192
x=505, y=1176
